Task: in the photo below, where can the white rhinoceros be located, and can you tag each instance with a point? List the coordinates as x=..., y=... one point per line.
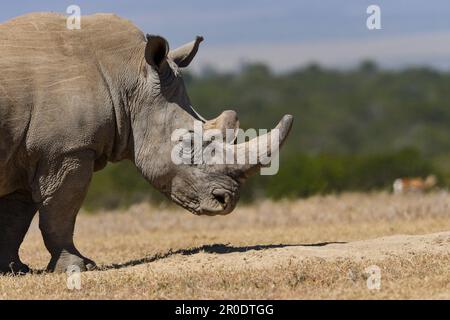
x=72, y=100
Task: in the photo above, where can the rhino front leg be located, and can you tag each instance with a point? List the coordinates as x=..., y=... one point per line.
x=16, y=212
x=59, y=208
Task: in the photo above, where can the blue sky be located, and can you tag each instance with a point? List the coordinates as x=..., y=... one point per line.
x=284, y=34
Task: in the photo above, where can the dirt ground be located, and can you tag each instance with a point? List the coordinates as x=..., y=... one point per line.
x=321, y=247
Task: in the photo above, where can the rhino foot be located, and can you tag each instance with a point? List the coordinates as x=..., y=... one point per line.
x=68, y=262
x=13, y=268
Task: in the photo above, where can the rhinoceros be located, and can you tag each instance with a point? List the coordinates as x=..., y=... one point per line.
x=73, y=100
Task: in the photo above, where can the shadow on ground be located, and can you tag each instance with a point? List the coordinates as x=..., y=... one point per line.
x=209, y=248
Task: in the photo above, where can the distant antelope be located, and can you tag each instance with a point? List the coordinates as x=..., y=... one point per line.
x=405, y=185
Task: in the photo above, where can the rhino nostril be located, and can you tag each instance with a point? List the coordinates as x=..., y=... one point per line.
x=221, y=196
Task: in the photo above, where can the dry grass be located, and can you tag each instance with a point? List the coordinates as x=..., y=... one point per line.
x=269, y=250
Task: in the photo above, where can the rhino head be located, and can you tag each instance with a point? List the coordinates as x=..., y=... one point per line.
x=160, y=106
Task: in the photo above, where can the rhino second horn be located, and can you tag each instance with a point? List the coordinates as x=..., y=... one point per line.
x=228, y=120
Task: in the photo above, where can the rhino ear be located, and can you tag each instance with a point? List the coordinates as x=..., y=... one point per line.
x=183, y=55
x=156, y=50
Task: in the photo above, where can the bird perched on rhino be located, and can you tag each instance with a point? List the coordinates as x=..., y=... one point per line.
x=73, y=100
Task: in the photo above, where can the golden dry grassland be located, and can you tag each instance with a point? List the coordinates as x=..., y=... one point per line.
x=303, y=249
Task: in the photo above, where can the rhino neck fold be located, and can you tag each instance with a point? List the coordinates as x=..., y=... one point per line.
x=148, y=143
x=120, y=85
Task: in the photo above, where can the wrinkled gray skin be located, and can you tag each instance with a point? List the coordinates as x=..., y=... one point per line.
x=72, y=100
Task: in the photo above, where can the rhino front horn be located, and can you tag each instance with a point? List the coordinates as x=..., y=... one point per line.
x=262, y=148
